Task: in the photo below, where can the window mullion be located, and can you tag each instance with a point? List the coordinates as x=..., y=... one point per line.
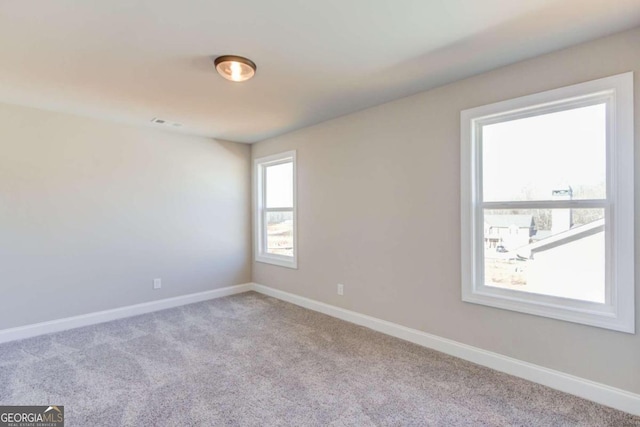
x=279, y=209
x=547, y=204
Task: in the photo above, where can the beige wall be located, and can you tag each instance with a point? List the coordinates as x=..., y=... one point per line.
x=379, y=211
x=91, y=212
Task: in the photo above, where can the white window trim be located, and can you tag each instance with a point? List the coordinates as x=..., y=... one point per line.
x=617, y=313
x=259, y=193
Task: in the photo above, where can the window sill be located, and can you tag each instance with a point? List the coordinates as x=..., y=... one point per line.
x=281, y=262
x=592, y=314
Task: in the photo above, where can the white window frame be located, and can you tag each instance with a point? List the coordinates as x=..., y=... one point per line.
x=260, y=211
x=617, y=312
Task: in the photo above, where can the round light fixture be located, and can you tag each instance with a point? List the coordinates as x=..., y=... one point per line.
x=235, y=68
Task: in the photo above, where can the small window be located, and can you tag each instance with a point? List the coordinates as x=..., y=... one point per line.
x=275, y=210
x=552, y=174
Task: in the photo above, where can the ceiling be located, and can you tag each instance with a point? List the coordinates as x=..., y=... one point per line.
x=132, y=60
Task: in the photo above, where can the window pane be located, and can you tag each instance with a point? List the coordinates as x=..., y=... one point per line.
x=557, y=252
x=280, y=233
x=279, y=185
x=552, y=156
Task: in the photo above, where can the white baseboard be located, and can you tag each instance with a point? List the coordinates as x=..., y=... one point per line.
x=58, y=325
x=591, y=390
x=597, y=392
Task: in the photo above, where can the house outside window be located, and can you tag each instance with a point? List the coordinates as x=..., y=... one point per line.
x=275, y=222
x=547, y=204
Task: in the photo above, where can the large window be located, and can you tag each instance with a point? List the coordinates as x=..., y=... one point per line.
x=275, y=209
x=547, y=204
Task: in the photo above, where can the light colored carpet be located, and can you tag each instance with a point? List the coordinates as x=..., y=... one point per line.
x=250, y=360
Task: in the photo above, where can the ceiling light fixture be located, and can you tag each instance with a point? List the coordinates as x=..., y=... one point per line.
x=235, y=68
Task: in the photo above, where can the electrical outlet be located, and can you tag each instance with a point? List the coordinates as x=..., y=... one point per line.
x=340, y=289
x=157, y=283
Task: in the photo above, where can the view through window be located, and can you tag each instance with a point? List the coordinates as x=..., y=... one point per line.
x=561, y=157
x=279, y=208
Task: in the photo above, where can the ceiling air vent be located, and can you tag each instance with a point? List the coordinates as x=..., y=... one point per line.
x=165, y=122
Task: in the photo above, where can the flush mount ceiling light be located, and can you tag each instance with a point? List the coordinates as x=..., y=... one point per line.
x=235, y=68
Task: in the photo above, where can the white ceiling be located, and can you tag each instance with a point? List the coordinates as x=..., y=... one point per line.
x=132, y=60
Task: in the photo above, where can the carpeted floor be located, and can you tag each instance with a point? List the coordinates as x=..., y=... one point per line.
x=250, y=360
